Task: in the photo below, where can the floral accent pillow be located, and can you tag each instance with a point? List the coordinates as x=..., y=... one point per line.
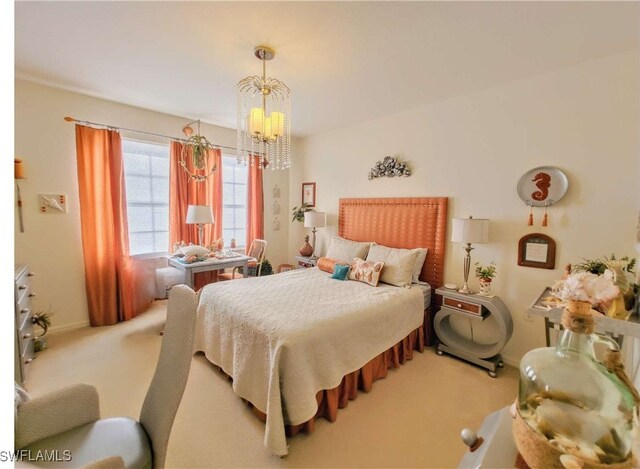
x=366, y=271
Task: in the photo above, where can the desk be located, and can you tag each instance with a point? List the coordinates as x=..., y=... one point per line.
x=209, y=265
x=617, y=329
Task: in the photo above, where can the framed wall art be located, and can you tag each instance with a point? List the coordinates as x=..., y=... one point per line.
x=537, y=250
x=309, y=193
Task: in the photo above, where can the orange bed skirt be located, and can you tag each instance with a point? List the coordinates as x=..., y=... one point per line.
x=330, y=400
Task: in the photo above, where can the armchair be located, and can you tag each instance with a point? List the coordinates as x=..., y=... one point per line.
x=69, y=418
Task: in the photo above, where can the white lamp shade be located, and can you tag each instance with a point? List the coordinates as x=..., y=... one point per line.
x=199, y=214
x=470, y=230
x=315, y=219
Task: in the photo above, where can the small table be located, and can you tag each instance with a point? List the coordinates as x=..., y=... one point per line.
x=209, y=265
x=617, y=329
x=477, y=309
x=306, y=262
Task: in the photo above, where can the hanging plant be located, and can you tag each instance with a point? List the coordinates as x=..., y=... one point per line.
x=200, y=148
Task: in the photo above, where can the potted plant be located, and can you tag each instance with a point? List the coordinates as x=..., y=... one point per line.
x=485, y=274
x=41, y=319
x=298, y=212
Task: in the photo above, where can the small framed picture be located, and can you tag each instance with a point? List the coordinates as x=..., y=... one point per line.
x=309, y=193
x=537, y=250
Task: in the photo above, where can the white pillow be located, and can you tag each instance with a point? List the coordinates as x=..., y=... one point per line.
x=345, y=250
x=194, y=250
x=398, y=264
x=417, y=268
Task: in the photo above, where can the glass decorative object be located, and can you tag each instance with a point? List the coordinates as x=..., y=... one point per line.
x=572, y=409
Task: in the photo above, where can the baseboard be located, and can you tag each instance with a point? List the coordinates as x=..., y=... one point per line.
x=511, y=361
x=55, y=330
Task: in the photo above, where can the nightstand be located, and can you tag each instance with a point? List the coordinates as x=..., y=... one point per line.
x=476, y=309
x=306, y=262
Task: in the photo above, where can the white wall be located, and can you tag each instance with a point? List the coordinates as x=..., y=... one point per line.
x=51, y=244
x=474, y=148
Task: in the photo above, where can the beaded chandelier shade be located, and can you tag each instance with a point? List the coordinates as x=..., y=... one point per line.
x=264, y=118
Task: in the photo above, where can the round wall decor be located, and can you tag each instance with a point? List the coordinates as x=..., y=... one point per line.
x=543, y=186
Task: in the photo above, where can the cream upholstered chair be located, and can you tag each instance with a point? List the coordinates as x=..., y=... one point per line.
x=69, y=419
x=257, y=250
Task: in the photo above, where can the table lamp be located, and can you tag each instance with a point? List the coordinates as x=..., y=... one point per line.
x=469, y=230
x=314, y=220
x=199, y=215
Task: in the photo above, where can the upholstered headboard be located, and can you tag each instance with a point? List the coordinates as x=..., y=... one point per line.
x=409, y=222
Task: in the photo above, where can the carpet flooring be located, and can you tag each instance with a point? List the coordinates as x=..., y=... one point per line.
x=412, y=418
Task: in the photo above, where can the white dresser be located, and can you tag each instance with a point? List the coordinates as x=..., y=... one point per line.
x=24, y=352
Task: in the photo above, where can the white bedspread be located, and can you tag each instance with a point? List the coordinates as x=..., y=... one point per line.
x=284, y=337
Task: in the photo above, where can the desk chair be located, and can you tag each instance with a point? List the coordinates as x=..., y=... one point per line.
x=257, y=250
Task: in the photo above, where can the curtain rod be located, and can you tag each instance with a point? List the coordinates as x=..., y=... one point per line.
x=71, y=119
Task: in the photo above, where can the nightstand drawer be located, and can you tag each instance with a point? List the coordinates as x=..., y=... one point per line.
x=463, y=306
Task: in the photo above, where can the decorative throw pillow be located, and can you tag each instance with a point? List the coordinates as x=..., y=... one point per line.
x=417, y=268
x=366, y=271
x=341, y=271
x=345, y=250
x=398, y=264
x=194, y=250
x=327, y=264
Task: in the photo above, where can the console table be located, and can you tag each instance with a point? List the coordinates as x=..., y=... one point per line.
x=475, y=308
x=617, y=329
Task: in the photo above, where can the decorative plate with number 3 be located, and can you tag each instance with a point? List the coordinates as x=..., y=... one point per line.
x=543, y=186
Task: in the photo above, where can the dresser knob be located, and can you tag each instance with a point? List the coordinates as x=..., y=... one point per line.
x=22, y=287
x=26, y=336
x=24, y=310
x=32, y=294
x=30, y=274
x=459, y=305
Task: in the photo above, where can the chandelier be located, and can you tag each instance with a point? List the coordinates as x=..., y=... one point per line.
x=264, y=113
x=197, y=147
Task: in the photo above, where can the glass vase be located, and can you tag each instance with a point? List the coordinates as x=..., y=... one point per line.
x=572, y=405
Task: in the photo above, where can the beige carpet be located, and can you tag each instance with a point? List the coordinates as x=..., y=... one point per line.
x=412, y=418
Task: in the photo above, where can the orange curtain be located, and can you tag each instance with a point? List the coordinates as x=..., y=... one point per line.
x=255, y=203
x=184, y=192
x=115, y=289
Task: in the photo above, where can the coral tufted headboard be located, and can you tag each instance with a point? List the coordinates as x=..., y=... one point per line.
x=408, y=222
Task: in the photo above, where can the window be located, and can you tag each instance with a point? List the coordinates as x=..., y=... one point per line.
x=234, y=199
x=146, y=174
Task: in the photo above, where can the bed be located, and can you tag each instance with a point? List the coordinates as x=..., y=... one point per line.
x=298, y=345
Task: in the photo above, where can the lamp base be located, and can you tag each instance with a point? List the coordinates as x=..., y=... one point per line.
x=466, y=290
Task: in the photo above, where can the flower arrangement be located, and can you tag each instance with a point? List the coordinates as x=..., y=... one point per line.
x=585, y=286
x=485, y=272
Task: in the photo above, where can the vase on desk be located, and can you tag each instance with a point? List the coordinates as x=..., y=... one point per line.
x=572, y=409
x=306, y=250
x=485, y=286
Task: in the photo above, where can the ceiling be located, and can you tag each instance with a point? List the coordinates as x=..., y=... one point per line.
x=345, y=62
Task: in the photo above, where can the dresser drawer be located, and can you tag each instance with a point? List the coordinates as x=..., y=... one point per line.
x=25, y=331
x=463, y=306
x=23, y=308
x=26, y=357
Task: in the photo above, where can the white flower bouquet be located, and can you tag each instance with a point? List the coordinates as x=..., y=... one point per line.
x=585, y=286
